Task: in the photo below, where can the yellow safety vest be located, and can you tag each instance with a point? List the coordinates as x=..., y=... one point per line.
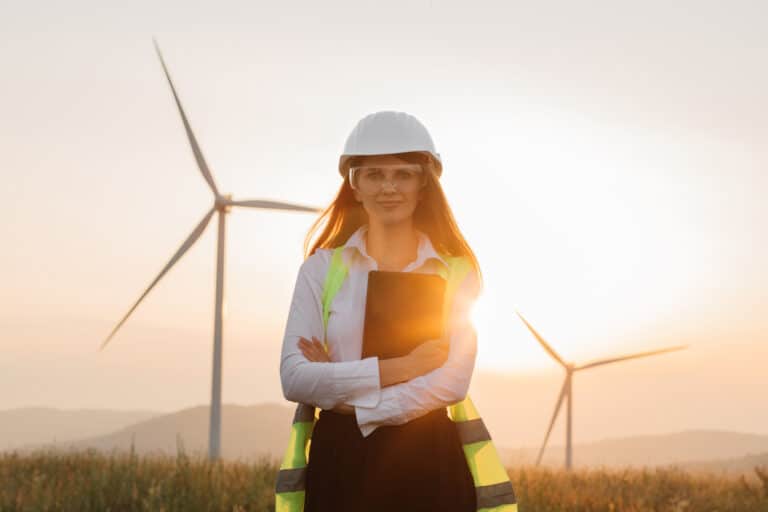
x=492, y=485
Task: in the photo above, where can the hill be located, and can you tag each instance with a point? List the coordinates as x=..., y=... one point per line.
x=250, y=432
x=247, y=432
x=37, y=425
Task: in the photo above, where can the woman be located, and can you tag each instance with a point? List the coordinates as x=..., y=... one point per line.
x=383, y=440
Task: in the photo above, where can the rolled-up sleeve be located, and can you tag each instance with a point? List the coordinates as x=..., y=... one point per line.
x=322, y=384
x=441, y=387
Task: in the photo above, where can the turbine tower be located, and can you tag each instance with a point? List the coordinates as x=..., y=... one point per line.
x=222, y=204
x=567, y=390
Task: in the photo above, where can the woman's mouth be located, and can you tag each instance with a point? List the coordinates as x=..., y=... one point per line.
x=390, y=204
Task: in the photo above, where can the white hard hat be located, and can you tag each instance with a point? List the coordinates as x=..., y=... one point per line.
x=386, y=132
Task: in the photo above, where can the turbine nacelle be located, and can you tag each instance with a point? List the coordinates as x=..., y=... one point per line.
x=222, y=202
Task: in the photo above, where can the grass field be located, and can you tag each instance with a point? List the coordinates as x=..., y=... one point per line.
x=92, y=481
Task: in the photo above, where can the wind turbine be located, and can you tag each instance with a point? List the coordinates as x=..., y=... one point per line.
x=567, y=390
x=222, y=204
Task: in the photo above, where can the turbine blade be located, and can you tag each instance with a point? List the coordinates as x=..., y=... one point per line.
x=191, y=239
x=191, y=136
x=544, y=344
x=275, y=205
x=632, y=356
x=552, y=421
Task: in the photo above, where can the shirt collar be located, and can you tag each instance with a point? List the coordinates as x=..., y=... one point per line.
x=424, y=252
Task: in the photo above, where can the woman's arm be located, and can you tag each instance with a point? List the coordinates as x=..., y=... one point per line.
x=323, y=384
x=423, y=359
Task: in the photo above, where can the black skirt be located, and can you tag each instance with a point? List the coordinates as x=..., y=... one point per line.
x=414, y=467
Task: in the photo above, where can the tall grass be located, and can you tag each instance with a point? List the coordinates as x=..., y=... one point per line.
x=637, y=490
x=93, y=481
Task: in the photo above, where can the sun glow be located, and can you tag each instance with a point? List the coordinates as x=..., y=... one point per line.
x=477, y=314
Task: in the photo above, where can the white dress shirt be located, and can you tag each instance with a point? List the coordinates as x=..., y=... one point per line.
x=347, y=378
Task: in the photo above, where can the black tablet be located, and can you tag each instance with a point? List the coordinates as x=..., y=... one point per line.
x=402, y=310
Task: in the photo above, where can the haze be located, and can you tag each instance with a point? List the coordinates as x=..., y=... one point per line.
x=606, y=161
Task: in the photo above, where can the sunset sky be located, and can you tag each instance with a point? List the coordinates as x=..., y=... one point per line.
x=607, y=161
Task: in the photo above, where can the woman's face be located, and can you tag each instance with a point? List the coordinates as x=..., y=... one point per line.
x=388, y=194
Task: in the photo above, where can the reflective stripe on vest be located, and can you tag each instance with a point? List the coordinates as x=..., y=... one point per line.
x=492, y=485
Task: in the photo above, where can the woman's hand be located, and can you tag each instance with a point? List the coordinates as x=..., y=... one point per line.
x=429, y=355
x=314, y=350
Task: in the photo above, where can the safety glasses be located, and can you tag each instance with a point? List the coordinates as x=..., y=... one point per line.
x=370, y=179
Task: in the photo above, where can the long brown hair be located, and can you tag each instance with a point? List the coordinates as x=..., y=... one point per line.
x=432, y=215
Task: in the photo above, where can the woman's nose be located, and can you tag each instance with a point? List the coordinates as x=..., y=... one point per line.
x=389, y=184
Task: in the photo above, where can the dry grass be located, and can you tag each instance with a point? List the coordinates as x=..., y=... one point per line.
x=637, y=490
x=92, y=481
